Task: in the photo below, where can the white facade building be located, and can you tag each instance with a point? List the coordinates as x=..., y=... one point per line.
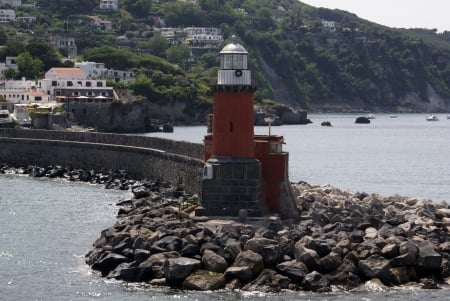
x=23, y=91
x=7, y=15
x=10, y=63
x=109, y=4
x=203, y=36
x=12, y=3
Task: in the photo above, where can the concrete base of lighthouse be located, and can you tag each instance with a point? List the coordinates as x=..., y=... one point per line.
x=231, y=184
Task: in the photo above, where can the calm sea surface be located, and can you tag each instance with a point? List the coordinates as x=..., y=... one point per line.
x=47, y=226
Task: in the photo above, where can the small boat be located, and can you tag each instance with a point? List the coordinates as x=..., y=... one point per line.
x=6, y=120
x=432, y=118
x=370, y=116
x=393, y=116
x=448, y=116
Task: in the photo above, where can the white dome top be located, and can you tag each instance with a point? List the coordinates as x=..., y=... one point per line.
x=234, y=47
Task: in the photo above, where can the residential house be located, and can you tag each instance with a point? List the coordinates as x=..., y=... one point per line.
x=73, y=84
x=203, y=37
x=109, y=4
x=329, y=25
x=12, y=3
x=66, y=42
x=99, y=71
x=7, y=15
x=10, y=63
x=23, y=91
x=26, y=19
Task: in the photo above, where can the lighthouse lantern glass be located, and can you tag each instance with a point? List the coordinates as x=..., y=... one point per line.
x=234, y=61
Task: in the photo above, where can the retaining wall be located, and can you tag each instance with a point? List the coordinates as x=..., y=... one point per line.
x=142, y=157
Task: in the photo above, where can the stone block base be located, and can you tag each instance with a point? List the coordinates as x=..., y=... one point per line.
x=232, y=184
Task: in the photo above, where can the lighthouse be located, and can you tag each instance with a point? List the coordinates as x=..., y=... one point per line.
x=243, y=172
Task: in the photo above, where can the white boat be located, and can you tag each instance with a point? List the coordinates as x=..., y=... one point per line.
x=6, y=120
x=370, y=116
x=432, y=118
x=21, y=115
x=393, y=116
x=448, y=116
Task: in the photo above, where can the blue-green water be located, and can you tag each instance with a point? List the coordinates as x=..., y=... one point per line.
x=46, y=226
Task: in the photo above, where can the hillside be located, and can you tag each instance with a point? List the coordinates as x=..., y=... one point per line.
x=307, y=57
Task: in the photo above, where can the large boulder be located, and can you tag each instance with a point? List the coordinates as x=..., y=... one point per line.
x=177, y=269
x=293, y=269
x=152, y=267
x=252, y=260
x=315, y=281
x=428, y=259
x=268, y=281
x=269, y=249
x=375, y=267
x=213, y=262
x=309, y=257
x=204, y=281
x=109, y=263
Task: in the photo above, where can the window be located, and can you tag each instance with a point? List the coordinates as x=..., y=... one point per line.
x=99, y=84
x=69, y=83
x=54, y=83
x=88, y=84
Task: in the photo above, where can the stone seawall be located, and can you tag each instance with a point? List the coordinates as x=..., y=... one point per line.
x=173, y=161
x=193, y=150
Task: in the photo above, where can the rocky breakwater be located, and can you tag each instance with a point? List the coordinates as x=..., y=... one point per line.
x=342, y=240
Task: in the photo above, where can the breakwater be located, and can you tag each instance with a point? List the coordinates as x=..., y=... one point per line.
x=342, y=240
x=143, y=157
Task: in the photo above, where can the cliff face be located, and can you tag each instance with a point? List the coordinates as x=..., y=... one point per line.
x=131, y=117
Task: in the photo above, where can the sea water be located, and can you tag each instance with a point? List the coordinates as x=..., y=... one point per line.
x=47, y=226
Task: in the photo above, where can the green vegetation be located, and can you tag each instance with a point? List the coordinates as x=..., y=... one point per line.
x=294, y=58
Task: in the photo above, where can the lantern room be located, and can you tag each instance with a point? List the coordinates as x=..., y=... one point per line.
x=233, y=65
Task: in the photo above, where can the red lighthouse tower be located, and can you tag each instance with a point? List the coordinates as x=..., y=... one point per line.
x=242, y=171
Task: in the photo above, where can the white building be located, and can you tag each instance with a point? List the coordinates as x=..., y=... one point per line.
x=203, y=36
x=65, y=42
x=109, y=4
x=330, y=25
x=7, y=15
x=23, y=91
x=12, y=3
x=92, y=69
x=99, y=71
x=10, y=63
x=65, y=83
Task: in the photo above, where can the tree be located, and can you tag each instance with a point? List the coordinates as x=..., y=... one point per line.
x=10, y=73
x=112, y=57
x=157, y=45
x=183, y=14
x=29, y=67
x=178, y=54
x=48, y=54
x=138, y=8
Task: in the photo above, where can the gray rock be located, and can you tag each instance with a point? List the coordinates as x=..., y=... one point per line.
x=293, y=269
x=428, y=259
x=375, y=267
x=408, y=255
x=309, y=257
x=177, y=269
x=204, y=281
x=109, y=263
x=243, y=274
x=213, y=262
x=315, y=281
x=269, y=249
x=268, y=282
x=153, y=266
x=390, y=251
x=250, y=259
